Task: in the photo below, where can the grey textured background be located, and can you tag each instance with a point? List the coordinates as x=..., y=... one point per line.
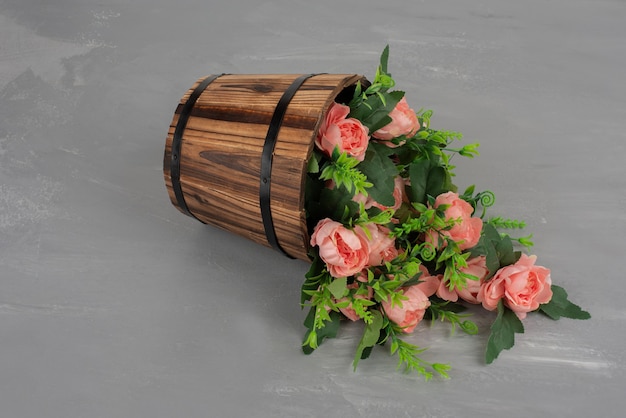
x=113, y=304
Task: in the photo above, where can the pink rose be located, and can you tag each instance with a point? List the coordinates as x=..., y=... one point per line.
x=382, y=246
x=523, y=286
x=344, y=251
x=428, y=284
x=444, y=292
x=476, y=266
x=491, y=292
x=412, y=310
x=467, y=230
x=337, y=130
x=362, y=276
x=349, y=311
x=403, y=122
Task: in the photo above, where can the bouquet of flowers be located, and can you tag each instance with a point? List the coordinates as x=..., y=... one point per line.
x=393, y=241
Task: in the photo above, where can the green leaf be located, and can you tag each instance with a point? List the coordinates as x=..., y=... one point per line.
x=381, y=172
x=469, y=327
x=497, y=249
x=491, y=233
x=504, y=249
x=338, y=287
x=377, y=216
x=329, y=330
x=500, y=222
x=559, y=306
x=469, y=150
x=370, y=337
x=438, y=181
x=342, y=170
x=366, y=352
x=428, y=178
x=384, y=59
x=412, y=281
x=411, y=269
x=313, y=164
x=491, y=258
x=374, y=111
x=310, y=318
x=335, y=204
x=442, y=369
x=503, y=332
x=312, y=278
x=418, y=174
x=469, y=192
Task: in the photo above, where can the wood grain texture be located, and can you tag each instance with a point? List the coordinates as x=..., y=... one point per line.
x=221, y=147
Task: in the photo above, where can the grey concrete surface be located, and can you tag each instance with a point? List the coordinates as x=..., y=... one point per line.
x=113, y=304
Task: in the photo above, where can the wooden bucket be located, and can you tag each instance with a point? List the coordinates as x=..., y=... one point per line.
x=237, y=150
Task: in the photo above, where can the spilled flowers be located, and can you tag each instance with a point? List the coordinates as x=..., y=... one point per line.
x=394, y=242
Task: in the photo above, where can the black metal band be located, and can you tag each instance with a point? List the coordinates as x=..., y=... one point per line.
x=266, y=161
x=183, y=118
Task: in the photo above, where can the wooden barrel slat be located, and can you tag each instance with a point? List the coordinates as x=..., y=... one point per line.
x=228, y=132
x=216, y=201
x=222, y=146
x=300, y=118
x=220, y=211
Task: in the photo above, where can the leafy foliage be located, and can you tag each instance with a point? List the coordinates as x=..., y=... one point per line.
x=409, y=357
x=371, y=336
x=503, y=331
x=363, y=195
x=498, y=249
x=560, y=306
x=341, y=169
x=380, y=171
x=316, y=333
x=448, y=311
